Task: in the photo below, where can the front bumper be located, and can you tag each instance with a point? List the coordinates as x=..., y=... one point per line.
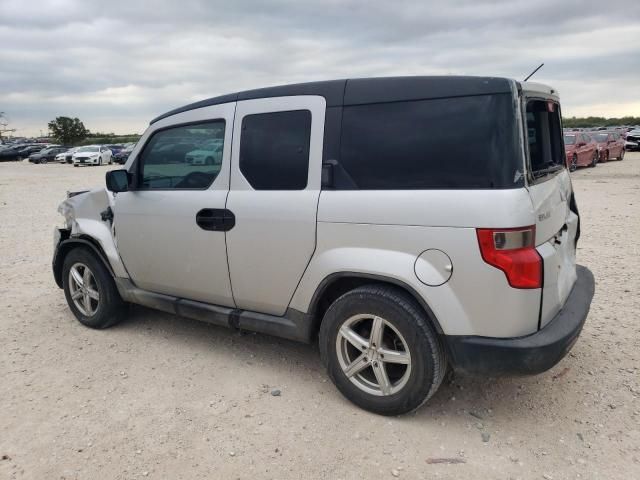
x=533, y=353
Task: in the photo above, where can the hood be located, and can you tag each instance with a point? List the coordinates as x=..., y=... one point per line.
x=86, y=154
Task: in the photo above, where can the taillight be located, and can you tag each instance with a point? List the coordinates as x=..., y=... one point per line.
x=513, y=251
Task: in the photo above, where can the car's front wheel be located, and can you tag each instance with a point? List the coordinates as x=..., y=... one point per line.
x=574, y=163
x=594, y=162
x=380, y=350
x=90, y=290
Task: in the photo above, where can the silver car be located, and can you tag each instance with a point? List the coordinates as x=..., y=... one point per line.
x=409, y=225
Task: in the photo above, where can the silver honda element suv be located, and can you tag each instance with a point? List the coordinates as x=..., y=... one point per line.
x=409, y=225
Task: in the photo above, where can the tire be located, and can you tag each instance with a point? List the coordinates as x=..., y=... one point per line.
x=75, y=164
x=574, y=163
x=406, y=329
x=605, y=156
x=594, y=162
x=43, y=161
x=621, y=157
x=105, y=310
x=100, y=161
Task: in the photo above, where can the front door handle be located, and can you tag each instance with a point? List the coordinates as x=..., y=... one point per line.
x=216, y=219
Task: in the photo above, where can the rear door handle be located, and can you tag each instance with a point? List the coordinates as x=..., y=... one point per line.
x=216, y=219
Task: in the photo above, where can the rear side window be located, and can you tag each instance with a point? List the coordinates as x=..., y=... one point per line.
x=451, y=143
x=274, y=150
x=183, y=157
x=544, y=135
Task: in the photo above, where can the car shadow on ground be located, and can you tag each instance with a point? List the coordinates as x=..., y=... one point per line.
x=468, y=398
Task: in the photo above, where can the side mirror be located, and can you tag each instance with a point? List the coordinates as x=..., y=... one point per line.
x=117, y=181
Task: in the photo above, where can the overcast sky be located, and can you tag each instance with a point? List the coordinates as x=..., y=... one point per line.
x=117, y=64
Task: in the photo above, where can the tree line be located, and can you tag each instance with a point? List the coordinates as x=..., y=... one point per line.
x=599, y=122
x=71, y=131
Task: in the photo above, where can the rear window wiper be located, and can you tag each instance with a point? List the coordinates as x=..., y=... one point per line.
x=543, y=172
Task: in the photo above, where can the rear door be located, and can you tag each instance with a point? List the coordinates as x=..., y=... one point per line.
x=556, y=217
x=275, y=186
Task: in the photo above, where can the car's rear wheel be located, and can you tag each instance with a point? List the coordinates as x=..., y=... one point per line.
x=90, y=290
x=380, y=350
x=574, y=163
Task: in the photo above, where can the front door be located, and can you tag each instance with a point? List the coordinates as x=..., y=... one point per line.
x=170, y=229
x=275, y=186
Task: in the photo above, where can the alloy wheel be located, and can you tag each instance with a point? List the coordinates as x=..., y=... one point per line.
x=83, y=289
x=373, y=354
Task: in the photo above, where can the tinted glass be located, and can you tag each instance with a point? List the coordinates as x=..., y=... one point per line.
x=569, y=139
x=183, y=157
x=466, y=142
x=544, y=135
x=274, y=150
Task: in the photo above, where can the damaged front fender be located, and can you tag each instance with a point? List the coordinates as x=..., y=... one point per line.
x=84, y=218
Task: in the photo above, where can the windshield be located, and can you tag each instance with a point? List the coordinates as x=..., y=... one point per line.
x=88, y=149
x=601, y=137
x=569, y=139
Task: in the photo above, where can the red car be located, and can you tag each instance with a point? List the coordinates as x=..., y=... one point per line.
x=611, y=145
x=581, y=150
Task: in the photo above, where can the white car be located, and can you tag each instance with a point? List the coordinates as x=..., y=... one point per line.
x=210, y=153
x=65, y=157
x=91, y=155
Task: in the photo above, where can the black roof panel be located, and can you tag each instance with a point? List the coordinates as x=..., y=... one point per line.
x=398, y=89
x=367, y=90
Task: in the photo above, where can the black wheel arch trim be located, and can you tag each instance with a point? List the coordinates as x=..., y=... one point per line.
x=66, y=245
x=333, y=277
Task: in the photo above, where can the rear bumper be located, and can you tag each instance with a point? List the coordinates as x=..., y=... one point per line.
x=533, y=353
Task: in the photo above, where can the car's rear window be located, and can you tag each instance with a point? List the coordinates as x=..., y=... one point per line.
x=450, y=143
x=544, y=137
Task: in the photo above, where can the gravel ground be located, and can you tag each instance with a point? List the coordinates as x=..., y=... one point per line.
x=164, y=397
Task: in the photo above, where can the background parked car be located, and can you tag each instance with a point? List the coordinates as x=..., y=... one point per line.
x=122, y=156
x=115, y=148
x=9, y=153
x=26, y=151
x=92, y=155
x=46, y=155
x=633, y=140
x=209, y=153
x=66, y=157
x=611, y=145
x=581, y=150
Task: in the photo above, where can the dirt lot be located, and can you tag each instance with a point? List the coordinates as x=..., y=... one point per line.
x=164, y=397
